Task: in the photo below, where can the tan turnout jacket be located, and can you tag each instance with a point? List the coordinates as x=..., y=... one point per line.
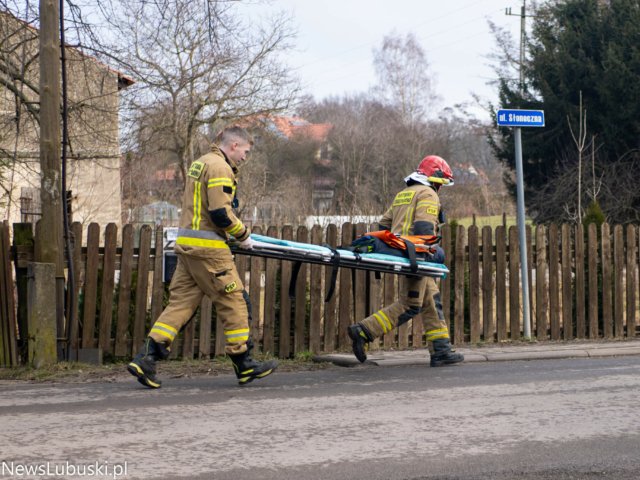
x=207, y=218
x=415, y=204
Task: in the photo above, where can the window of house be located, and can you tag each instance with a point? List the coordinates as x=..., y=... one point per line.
x=325, y=151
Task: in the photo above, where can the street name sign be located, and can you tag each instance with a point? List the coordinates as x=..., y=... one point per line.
x=518, y=119
x=521, y=118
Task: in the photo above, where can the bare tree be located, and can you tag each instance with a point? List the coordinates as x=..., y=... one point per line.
x=580, y=145
x=197, y=64
x=404, y=78
x=93, y=115
x=373, y=150
x=618, y=190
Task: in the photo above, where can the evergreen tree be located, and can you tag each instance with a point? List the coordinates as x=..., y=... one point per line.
x=577, y=46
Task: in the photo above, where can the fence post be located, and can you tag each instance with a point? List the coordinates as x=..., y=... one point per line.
x=567, y=306
x=541, y=283
x=458, y=281
x=554, y=283
x=631, y=281
x=360, y=290
x=157, y=298
x=330, y=306
x=241, y=266
x=580, y=293
x=124, y=291
x=501, y=285
x=302, y=236
x=315, y=314
x=605, y=246
x=108, y=284
x=514, y=282
x=204, y=343
x=592, y=240
x=76, y=258
x=474, y=285
x=90, y=286
x=445, y=284
x=22, y=236
x=271, y=273
x=374, y=295
x=390, y=295
x=255, y=291
x=9, y=346
x=285, y=301
x=618, y=263
x=142, y=288
x=487, y=283
x=345, y=292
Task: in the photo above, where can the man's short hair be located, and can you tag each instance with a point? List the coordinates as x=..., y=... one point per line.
x=233, y=134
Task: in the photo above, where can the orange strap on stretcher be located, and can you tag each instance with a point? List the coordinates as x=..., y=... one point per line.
x=423, y=243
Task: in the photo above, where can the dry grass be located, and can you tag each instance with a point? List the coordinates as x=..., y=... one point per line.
x=64, y=372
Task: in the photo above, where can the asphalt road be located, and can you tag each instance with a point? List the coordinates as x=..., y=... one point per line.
x=568, y=419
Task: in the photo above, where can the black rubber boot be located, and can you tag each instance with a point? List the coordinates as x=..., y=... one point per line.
x=247, y=369
x=446, y=359
x=360, y=338
x=144, y=365
x=443, y=355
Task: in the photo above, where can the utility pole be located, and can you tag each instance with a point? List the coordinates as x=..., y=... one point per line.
x=523, y=35
x=50, y=229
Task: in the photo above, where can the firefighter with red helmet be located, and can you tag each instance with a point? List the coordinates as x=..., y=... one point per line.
x=415, y=211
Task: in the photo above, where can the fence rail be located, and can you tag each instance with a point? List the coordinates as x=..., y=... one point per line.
x=582, y=285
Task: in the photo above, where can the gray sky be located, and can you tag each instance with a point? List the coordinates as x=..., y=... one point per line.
x=336, y=37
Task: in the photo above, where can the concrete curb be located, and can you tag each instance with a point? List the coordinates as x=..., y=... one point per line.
x=345, y=360
x=340, y=360
x=614, y=352
x=550, y=355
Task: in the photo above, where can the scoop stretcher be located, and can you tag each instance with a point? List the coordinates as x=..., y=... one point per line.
x=337, y=258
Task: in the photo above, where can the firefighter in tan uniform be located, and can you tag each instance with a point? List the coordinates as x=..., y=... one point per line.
x=205, y=264
x=414, y=212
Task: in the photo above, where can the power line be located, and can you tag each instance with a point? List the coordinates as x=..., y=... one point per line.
x=426, y=51
x=410, y=28
x=523, y=39
x=430, y=50
x=419, y=38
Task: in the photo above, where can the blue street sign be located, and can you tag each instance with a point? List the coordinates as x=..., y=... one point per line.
x=521, y=118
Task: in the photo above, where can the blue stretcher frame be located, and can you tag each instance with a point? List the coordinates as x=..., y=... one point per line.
x=307, y=253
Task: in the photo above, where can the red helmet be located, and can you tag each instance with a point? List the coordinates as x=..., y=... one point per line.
x=437, y=170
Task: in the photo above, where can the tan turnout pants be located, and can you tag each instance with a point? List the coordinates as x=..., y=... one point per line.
x=217, y=278
x=417, y=295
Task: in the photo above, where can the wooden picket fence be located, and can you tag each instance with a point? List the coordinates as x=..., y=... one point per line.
x=8, y=335
x=580, y=287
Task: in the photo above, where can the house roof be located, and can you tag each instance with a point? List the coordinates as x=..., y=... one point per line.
x=317, y=131
x=163, y=175
x=122, y=79
x=468, y=173
x=291, y=126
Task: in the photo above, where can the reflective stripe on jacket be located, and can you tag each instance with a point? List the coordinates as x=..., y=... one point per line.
x=415, y=204
x=207, y=218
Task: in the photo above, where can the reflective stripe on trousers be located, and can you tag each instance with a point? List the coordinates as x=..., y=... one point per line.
x=435, y=334
x=237, y=335
x=165, y=330
x=200, y=238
